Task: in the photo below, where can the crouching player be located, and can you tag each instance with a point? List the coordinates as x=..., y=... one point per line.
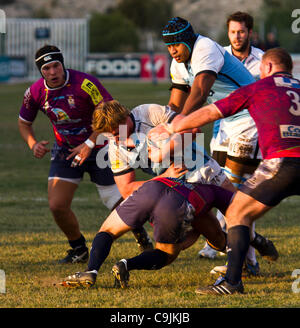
x=178, y=211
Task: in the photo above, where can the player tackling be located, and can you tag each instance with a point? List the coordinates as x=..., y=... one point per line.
x=274, y=104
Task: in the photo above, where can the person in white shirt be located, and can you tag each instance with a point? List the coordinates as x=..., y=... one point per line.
x=240, y=27
x=203, y=71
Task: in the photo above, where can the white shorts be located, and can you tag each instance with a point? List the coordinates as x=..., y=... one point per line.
x=210, y=173
x=238, y=138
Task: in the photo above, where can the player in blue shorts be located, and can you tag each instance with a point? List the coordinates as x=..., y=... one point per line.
x=68, y=98
x=273, y=102
x=178, y=211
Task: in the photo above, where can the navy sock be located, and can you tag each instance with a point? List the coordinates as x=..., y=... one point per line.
x=238, y=240
x=100, y=249
x=148, y=260
x=78, y=243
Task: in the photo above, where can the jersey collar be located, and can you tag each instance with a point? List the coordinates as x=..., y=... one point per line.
x=66, y=82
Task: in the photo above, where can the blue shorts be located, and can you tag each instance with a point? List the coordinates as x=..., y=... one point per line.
x=169, y=211
x=274, y=180
x=61, y=168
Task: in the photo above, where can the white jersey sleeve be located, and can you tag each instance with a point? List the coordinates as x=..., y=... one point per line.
x=207, y=56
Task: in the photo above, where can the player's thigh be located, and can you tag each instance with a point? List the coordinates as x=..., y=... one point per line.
x=169, y=218
x=114, y=225
x=244, y=210
x=61, y=193
x=208, y=225
x=274, y=180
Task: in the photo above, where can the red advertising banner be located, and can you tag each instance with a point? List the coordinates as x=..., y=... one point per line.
x=160, y=65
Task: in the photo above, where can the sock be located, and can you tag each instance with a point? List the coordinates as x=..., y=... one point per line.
x=78, y=243
x=149, y=260
x=238, y=239
x=100, y=249
x=221, y=219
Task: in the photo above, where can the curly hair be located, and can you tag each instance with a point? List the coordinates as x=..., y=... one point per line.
x=108, y=116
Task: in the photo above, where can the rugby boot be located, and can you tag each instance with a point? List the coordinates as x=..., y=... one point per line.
x=207, y=252
x=79, y=279
x=221, y=287
x=249, y=269
x=265, y=247
x=76, y=255
x=121, y=274
x=142, y=239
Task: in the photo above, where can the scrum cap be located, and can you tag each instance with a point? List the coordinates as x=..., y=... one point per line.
x=179, y=30
x=48, y=54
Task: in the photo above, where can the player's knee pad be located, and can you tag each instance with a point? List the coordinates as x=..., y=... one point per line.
x=109, y=195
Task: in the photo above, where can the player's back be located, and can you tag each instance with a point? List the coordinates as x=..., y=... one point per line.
x=275, y=108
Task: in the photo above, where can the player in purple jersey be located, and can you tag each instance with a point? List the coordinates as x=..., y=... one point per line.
x=178, y=211
x=274, y=104
x=68, y=98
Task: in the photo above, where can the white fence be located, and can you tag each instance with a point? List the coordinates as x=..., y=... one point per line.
x=24, y=36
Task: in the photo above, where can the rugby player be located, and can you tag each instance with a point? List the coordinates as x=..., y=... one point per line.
x=178, y=211
x=130, y=151
x=274, y=104
x=68, y=98
x=239, y=28
x=203, y=71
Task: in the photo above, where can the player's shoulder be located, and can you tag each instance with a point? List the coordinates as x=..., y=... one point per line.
x=79, y=77
x=203, y=41
x=37, y=85
x=256, y=52
x=35, y=90
x=228, y=49
x=205, y=46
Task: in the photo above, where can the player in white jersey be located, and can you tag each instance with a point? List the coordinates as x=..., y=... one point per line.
x=128, y=148
x=203, y=71
x=239, y=27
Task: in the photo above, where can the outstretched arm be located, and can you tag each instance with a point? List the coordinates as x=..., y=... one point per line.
x=196, y=119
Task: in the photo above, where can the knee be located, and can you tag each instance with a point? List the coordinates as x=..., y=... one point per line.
x=57, y=207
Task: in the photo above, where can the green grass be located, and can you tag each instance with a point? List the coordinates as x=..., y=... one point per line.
x=31, y=243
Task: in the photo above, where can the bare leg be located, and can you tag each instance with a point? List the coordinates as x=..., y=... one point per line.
x=60, y=196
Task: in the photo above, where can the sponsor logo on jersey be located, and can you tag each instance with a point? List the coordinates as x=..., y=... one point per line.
x=115, y=165
x=90, y=88
x=71, y=101
x=290, y=131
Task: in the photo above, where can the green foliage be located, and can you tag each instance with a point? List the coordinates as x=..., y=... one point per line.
x=112, y=33
x=277, y=18
x=147, y=15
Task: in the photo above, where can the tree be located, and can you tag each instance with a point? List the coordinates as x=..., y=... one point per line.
x=112, y=32
x=150, y=15
x=278, y=19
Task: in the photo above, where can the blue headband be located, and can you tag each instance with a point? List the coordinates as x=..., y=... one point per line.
x=178, y=30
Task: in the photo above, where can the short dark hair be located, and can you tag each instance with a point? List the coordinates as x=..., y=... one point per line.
x=280, y=57
x=240, y=16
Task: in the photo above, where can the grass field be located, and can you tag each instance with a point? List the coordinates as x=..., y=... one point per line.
x=31, y=243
